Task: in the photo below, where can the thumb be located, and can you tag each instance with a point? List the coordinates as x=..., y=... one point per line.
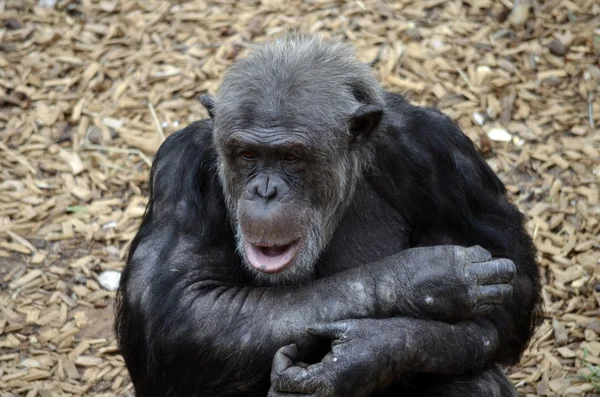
x=283, y=359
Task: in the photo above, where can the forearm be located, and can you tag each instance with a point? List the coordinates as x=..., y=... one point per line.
x=369, y=355
x=275, y=316
x=496, y=338
x=436, y=347
x=407, y=346
x=412, y=283
x=230, y=333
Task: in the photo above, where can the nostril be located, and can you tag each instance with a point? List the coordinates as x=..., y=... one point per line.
x=266, y=191
x=271, y=193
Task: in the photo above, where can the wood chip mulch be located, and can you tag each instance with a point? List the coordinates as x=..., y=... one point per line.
x=89, y=89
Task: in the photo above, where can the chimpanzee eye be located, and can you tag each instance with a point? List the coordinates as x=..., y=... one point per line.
x=248, y=155
x=290, y=158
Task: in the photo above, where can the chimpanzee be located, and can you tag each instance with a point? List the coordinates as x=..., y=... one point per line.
x=320, y=236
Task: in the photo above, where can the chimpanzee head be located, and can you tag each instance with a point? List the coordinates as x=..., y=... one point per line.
x=294, y=126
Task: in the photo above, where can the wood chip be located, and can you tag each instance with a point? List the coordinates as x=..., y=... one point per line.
x=89, y=88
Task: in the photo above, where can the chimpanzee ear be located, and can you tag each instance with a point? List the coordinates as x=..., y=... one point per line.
x=209, y=104
x=362, y=124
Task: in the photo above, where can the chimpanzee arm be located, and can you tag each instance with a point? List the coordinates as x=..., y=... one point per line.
x=189, y=323
x=368, y=355
x=428, y=170
x=439, y=181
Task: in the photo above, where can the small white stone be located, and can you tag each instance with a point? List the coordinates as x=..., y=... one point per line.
x=47, y=3
x=113, y=123
x=109, y=225
x=479, y=118
x=436, y=44
x=429, y=300
x=334, y=359
x=499, y=135
x=486, y=342
x=109, y=279
x=518, y=141
x=113, y=251
x=484, y=69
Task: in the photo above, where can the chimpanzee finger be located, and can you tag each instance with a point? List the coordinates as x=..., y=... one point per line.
x=483, y=310
x=494, y=294
x=479, y=254
x=498, y=271
x=298, y=380
x=276, y=393
x=331, y=331
x=471, y=254
x=301, y=364
x=283, y=359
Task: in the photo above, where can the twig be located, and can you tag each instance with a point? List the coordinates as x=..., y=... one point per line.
x=378, y=56
x=466, y=79
x=18, y=157
x=159, y=129
x=591, y=110
x=112, y=149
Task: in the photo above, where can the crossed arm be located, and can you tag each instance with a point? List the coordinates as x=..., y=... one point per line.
x=453, y=198
x=197, y=317
x=368, y=355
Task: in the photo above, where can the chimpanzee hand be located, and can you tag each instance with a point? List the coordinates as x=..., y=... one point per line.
x=369, y=355
x=452, y=283
x=360, y=361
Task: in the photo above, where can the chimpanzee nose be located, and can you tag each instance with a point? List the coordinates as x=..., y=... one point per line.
x=267, y=189
x=263, y=186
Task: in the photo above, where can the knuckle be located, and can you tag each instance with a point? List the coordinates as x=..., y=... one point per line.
x=512, y=267
x=473, y=296
x=485, y=309
x=476, y=248
x=479, y=253
x=467, y=276
x=457, y=252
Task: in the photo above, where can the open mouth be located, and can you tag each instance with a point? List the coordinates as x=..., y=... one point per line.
x=269, y=258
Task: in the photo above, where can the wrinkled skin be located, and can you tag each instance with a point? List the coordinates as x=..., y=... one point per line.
x=367, y=355
x=398, y=345
x=317, y=210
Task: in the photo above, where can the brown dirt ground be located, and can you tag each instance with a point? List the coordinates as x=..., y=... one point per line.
x=80, y=80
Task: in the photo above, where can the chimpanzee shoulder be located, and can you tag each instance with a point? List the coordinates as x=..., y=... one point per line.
x=436, y=177
x=184, y=185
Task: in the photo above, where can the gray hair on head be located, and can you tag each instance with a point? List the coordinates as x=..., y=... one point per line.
x=302, y=78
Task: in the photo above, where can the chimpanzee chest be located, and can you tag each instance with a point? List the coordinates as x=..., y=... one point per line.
x=370, y=230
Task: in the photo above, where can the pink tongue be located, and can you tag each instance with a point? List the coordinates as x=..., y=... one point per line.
x=269, y=259
x=273, y=251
